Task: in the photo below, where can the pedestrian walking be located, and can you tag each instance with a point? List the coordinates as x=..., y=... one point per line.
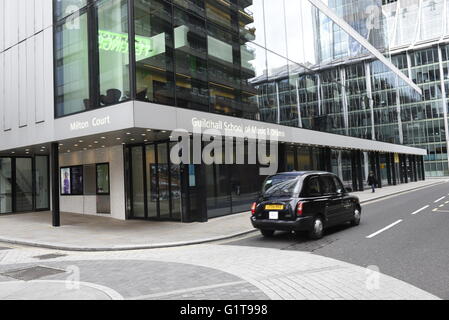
x=372, y=181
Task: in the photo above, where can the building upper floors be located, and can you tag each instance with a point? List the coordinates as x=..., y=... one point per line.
x=62, y=58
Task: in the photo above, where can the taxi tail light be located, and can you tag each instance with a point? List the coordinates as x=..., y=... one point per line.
x=299, y=209
x=253, y=208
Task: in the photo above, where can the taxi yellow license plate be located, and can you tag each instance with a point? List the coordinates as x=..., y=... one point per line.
x=274, y=207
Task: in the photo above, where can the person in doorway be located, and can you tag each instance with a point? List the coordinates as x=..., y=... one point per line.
x=372, y=181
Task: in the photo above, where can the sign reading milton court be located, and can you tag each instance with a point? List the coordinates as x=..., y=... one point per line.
x=95, y=122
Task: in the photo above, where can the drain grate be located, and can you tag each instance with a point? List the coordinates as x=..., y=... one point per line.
x=50, y=256
x=31, y=273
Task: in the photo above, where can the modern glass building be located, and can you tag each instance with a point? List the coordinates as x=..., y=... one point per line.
x=91, y=91
x=413, y=35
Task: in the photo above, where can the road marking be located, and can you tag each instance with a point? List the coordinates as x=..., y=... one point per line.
x=438, y=200
x=422, y=209
x=435, y=210
x=441, y=206
x=384, y=229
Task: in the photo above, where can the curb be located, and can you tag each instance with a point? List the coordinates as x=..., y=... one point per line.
x=401, y=192
x=123, y=248
x=170, y=244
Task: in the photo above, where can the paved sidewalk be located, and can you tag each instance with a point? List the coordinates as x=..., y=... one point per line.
x=91, y=233
x=198, y=272
x=388, y=191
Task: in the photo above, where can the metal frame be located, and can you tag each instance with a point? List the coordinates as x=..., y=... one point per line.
x=33, y=182
x=129, y=182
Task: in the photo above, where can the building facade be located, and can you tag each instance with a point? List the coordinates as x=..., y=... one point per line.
x=91, y=91
x=415, y=34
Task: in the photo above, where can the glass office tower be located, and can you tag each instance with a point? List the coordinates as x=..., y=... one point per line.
x=413, y=35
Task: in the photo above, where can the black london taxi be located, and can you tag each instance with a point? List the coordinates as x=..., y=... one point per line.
x=304, y=201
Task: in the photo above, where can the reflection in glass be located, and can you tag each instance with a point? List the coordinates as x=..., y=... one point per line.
x=152, y=190
x=164, y=181
x=192, y=90
x=64, y=8
x=42, y=183
x=103, y=178
x=137, y=174
x=24, y=185
x=154, y=51
x=113, y=51
x=5, y=185
x=72, y=63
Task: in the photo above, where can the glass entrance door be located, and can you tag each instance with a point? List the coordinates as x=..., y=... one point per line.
x=23, y=184
x=5, y=185
x=155, y=182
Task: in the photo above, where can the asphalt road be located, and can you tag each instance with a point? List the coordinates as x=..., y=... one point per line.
x=415, y=247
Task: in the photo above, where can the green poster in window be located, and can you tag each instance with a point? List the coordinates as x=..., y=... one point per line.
x=146, y=47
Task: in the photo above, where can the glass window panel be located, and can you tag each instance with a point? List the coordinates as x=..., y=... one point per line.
x=5, y=185
x=164, y=181
x=90, y=187
x=113, y=51
x=152, y=193
x=154, y=51
x=72, y=67
x=223, y=72
x=24, y=184
x=76, y=180
x=275, y=27
x=137, y=174
x=64, y=8
x=42, y=190
x=103, y=178
x=191, y=61
x=252, y=21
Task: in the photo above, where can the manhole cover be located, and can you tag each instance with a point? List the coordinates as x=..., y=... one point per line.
x=32, y=273
x=50, y=256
